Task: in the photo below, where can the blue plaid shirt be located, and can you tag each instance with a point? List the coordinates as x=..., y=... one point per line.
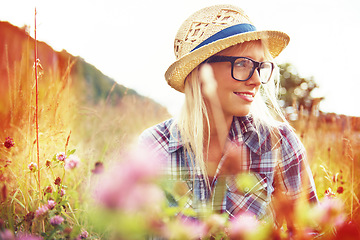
x=285, y=164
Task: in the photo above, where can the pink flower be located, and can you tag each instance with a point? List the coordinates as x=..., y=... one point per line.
x=129, y=185
x=26, y=236
x=41, y=211
x=6, y=234
x=32, y=167
x=62, y=192
x=99, y=168
x=61, y=156
x=56, y=220
x=51, y=204
x=330, y=212
x=243, y=225
x=84, y=235
x=9, y=142
x=72, y=162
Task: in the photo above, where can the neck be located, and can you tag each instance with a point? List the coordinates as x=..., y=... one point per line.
x=219, y=130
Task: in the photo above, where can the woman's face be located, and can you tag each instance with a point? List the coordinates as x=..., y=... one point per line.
x=235, y=97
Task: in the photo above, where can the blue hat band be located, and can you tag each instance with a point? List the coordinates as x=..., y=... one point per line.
x=227, y=32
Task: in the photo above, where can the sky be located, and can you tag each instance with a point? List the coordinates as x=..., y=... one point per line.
x=132, y=41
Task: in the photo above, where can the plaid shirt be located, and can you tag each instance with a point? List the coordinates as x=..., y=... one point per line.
x=286, y=163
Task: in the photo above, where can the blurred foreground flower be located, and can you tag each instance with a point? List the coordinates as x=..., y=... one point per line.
x=9, y=142
x=6, y=234
x=26, y=236
x=185, y=228
x=130, y=184
x=99, y=168
x=330, y=213
x=243, y=226
x=72, y=162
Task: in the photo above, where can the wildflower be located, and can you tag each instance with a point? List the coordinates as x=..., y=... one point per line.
x=56, y=220
x=51, y=204
x=329, y=193
x=62, y=192
x=61, y=156
x=9, y=142
x=41, y=211
x=84, y=235
x=128, y=182
x=71, y=162
x=29, y=216
x=48, y=163
x=32, y=167
x=48, y=189
x=99, y=168
x=57, y=181
x=340, y=190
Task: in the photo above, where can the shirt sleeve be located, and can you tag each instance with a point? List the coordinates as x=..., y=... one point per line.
x=294, y=173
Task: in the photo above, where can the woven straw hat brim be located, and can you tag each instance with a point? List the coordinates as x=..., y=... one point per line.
x=275, y=41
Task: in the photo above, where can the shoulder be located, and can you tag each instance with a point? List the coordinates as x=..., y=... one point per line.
x=156, y=136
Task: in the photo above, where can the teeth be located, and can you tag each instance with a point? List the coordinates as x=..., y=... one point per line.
x=244, y=94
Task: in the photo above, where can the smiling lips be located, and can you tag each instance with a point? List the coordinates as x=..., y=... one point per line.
x=247, y=96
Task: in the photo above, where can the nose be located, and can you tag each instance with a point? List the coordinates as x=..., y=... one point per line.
x=255, y=78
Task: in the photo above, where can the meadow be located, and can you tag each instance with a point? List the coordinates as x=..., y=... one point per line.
x=67, y=170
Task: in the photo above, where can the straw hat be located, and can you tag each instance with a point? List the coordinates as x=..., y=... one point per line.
x=211, y=30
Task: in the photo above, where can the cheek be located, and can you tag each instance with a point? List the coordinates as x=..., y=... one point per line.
x=222, y=71
x=224, y=80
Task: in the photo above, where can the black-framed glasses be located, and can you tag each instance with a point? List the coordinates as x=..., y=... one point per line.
x=242, y=68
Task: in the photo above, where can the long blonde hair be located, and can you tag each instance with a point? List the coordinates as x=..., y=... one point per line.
x=193, y=119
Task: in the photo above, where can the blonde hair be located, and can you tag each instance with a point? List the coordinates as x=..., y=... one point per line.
x=193, y=122
x=193, y=119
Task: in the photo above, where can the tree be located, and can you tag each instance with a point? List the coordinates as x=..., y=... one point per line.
x=296, y=90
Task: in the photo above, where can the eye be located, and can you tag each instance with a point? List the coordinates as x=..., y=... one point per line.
x=266, y=65
x=243, y=63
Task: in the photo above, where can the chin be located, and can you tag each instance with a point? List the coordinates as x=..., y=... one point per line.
x=242, y=113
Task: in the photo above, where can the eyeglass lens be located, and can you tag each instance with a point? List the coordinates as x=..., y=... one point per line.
x=243, y=69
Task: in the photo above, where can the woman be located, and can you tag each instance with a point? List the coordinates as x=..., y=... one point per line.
x=231, y=123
